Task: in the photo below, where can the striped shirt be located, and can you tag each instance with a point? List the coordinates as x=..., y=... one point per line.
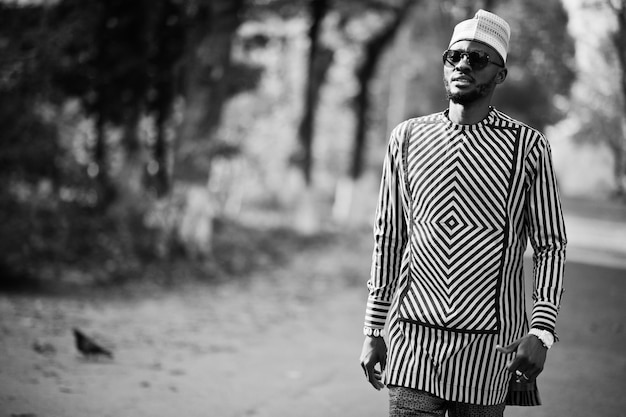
x=457, y=206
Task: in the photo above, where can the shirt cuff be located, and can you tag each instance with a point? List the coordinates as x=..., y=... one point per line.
x=376, y=313
x=544, y=316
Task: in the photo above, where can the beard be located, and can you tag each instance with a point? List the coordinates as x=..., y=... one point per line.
x=464, y=98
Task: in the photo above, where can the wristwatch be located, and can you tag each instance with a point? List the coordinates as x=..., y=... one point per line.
x=546, y=337
x=368, y=331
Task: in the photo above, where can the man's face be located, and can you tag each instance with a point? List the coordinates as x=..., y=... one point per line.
x=465, y=84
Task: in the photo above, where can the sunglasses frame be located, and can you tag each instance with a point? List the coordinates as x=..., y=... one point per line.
x=483, y=59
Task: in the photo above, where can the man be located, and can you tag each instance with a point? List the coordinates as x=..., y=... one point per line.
x=462, y=192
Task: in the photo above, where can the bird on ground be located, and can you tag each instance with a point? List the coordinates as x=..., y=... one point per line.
x=88, y=347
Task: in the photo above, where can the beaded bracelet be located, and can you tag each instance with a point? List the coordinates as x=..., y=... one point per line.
x=368, y=331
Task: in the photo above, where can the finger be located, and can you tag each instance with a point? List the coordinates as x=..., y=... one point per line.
x=528, y=377
x=502, y=349
x=377, y=375
x=371, y=374
x=526, y=370
x=376, y=380
x=516, y=364
x=522, y=377
x=533, y=372
x=509, y=348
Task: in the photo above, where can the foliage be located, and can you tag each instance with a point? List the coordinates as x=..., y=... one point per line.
x=106, y=106
x=28, y=140
x=599, y=97
x=93, y=249
x=538, y=71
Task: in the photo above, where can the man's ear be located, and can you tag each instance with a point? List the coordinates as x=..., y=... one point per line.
x=501, y=76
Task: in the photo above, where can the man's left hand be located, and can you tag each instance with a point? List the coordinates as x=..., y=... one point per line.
x=529, y=356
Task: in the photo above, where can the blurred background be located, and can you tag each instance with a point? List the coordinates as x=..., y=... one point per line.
x=135, y=131
x=218, y=161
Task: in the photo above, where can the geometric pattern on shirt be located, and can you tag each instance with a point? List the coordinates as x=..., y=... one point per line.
x=453, y=365
x=459, y=184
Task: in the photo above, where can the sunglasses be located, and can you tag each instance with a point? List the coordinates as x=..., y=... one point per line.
x=476, y=59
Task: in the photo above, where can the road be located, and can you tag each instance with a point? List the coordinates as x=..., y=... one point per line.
x=286, y=343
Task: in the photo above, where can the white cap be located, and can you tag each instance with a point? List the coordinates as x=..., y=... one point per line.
x=485, y=27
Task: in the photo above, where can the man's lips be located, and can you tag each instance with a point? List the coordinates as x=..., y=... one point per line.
x=464, y=79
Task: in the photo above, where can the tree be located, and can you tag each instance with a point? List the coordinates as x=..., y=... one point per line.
x=206, y=74
x=618, y=39
x=28, y=139
x=164, y=57
x=319, y=60
x=211, y=26
x=373, y=48
x=365, y=72
x=539, y=73
x=104, y=62
x=602, y=111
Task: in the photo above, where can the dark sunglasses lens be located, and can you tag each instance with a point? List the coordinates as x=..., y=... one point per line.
x=477, y=60
x=453, y=57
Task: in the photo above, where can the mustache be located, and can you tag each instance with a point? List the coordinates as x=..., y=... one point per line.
x=481, y=90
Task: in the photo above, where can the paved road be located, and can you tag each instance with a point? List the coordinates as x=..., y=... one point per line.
x=319, y=375
x=596, y=241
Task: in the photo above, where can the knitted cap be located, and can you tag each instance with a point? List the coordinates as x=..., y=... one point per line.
x=487, y=28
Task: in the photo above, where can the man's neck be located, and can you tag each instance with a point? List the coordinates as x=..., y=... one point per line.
x=468, y=114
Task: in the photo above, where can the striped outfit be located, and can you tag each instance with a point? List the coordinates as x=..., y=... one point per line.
x=457, y=205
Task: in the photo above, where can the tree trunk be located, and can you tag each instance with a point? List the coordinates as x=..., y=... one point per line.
x=619, y=41
x=365, y=73
x=162, y=181
x=99, y=169
x=319, y=61
x=212, y=26
x=620, y=162
x=129, y=181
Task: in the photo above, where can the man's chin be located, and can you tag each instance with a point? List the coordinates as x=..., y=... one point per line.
x=463, y=98
x=466, y=96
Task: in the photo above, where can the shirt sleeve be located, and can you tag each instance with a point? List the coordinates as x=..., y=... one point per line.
x=547, y=237
x=389, y=236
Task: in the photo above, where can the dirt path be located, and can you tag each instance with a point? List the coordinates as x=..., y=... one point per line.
x=258, y=347
x=284, y=343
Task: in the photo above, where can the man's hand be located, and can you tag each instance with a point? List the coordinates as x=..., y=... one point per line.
x=529, y=356
x=374, y=352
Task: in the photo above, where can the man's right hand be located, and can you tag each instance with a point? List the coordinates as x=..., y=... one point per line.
x=374, y=352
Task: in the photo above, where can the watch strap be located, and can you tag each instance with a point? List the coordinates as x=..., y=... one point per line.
x=546, y=337
x=368, y=331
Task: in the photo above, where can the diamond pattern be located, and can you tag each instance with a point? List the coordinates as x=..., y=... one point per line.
x=459, y=218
